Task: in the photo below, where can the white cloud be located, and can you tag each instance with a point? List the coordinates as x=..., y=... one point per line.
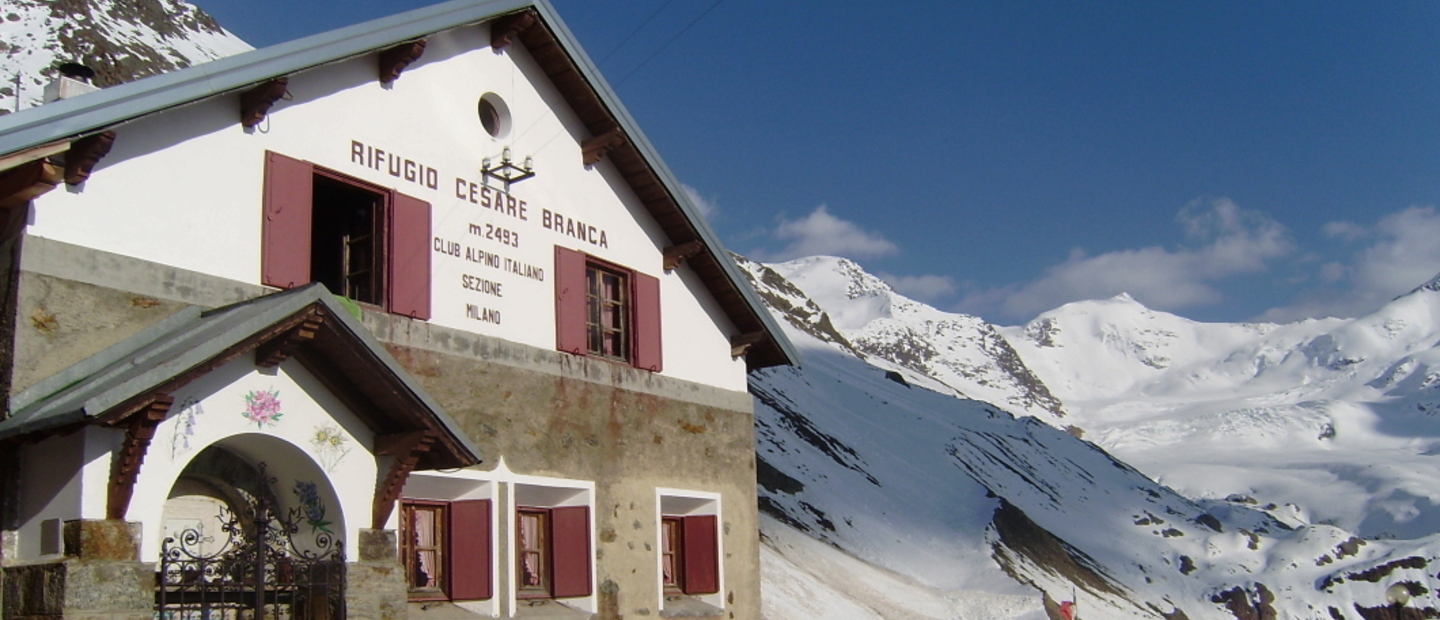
x=706, y=206
x=1403, y=253
x=1227, y=241
x=821, y=233
x=926, y=288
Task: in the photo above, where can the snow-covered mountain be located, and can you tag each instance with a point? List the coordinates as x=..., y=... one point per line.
x=1278, y=470
x=122, y=40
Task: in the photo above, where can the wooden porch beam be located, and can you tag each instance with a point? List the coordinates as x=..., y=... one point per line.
x=125, y=468
x=406, y=448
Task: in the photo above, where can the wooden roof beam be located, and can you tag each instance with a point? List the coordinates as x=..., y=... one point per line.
x=85, y=154
x=393, y=61
x=24, y=183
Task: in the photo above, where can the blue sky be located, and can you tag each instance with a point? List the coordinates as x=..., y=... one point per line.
x=1224, y=161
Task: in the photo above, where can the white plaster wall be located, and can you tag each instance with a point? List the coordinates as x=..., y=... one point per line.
x=50, y=480
x=184, y=188
x=211, y=411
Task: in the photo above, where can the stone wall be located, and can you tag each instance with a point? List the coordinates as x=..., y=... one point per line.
x=565, y=423
x=99, y=577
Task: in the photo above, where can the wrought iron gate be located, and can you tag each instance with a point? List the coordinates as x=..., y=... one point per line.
x=262, y=569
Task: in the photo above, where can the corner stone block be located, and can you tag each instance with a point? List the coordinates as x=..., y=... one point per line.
x=102, y=540
x=379, y=546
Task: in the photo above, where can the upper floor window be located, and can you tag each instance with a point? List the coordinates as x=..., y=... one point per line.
x=368, y=243
x=605, y=310
x=607, y=306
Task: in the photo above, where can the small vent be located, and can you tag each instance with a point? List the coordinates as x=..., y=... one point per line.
x=52, y=538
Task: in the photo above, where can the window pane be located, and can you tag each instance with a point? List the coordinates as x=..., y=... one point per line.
x=533, y=554
x=423, y=546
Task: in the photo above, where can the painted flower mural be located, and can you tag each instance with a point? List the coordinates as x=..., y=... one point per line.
x=314, y=507
x=263, y=407
x=329, y=444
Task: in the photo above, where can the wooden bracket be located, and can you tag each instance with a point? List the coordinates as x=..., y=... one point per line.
x=23, y=183
x=676, y=254
x=595, y=148
x=406, y=448
x=125, y=468
x=255, y=103
x=393, y=61
x=740, y=344
x=280, y=348
x=84, y=154
x=504, y=30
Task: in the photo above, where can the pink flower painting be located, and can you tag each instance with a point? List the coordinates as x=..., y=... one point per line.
x=263, y=407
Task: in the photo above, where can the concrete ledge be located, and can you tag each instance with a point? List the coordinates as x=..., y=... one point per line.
x=80, y=264
x=405, y=332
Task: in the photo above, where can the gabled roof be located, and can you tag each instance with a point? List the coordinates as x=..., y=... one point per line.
x=334, y=347
x=548, y=41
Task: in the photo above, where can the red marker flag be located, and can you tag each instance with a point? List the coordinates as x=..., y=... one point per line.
x=1067, y=610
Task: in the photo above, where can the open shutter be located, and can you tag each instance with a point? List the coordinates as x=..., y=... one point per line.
x=570, y=556
x=702, y=557
x=409, y=264
x=647, y=323
x=470, y=550
x=285, y=232
x=569, y=300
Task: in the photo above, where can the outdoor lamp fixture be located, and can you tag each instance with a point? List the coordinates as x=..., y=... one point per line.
x=506, y=170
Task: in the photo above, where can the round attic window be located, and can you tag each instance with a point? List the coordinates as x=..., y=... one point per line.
x=494, y=115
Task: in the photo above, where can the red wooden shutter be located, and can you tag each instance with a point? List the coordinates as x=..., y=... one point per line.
x=409, y=260
x=570, y=555
x=470, y=550
x=569, y=300
x=285, y=232
x=647, y=323
x=702, y=555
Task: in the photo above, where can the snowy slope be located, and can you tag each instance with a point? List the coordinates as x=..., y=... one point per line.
x=1286, y=467
x=122, y=40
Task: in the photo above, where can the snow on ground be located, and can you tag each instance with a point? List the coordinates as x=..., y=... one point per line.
x=1265, y=449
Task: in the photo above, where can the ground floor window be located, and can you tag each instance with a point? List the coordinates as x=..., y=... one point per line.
x=689, y=550
x=446, y=548
x=552, y=552
x=423, y=548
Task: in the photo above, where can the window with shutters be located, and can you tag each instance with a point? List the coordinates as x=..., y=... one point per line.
x=689, y=548
x=363, y=241
x=552, y=552
x=446, y=549
x=423, y=548
x=606, y=311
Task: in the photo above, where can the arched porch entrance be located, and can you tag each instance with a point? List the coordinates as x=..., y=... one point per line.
x=236, y=547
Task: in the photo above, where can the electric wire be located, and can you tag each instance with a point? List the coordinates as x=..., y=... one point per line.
x=634, y=32
x=669, y=42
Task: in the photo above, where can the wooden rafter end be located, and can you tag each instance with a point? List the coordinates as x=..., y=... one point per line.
x=125, y=468
x=406, y=448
